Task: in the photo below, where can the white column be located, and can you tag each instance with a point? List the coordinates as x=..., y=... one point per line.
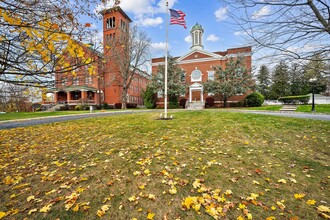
x=202, y=95
x=190, y=95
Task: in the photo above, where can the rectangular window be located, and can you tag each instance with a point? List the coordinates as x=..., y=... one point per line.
x=88, y=80
x=210, y=75
x=64, y=82
x=75, y=81
x=160, y=94
x=183, y=77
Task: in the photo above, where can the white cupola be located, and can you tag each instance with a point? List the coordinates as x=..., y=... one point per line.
x=197, y=37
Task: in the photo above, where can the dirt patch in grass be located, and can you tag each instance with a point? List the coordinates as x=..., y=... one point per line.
x=201, y=165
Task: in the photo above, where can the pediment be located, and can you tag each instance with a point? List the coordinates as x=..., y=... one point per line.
x=198, y=54
x=196, y=85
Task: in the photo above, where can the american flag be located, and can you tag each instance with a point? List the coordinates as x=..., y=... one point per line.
x=177, y=17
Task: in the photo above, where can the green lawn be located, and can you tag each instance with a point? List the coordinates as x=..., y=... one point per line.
x=25, y=115
x=325, y=108
x=201, y=165
x=265, y=108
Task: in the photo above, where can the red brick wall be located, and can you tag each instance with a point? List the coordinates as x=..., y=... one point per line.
x=206, y=66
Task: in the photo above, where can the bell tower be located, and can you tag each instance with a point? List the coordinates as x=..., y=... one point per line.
x=197, y=37
x=115, y=35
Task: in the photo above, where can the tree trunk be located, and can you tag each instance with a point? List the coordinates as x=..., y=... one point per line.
x=124, y=99
x=225, y=102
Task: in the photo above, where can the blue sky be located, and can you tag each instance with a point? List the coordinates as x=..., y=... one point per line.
x=150, y=16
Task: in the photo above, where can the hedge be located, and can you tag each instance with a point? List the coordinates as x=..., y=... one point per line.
x=255, y=99
x=294, y=99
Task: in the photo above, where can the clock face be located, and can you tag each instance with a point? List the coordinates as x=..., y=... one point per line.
x=196, y=75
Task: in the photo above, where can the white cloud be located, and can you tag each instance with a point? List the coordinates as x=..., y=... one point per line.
x=212, y=38
x=188, y=39
x=243, y=33
x=262, y=12
x=144, y=11
x=304, y=48
x=150, y=21
x=221, y=14
x=158, y=46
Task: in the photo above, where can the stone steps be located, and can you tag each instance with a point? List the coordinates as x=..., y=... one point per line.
x=289, y=108
x=195, y=105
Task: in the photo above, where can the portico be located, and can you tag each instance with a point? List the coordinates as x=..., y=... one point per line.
x=196, y=91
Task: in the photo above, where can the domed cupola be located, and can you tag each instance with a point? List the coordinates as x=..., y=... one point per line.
x=197, y=37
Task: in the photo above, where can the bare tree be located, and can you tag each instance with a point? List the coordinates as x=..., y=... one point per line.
x=296, y=29
x=18, y=98
x=129, y=52
x=41, y=37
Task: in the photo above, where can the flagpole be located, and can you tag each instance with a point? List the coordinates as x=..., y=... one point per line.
x=166, y=49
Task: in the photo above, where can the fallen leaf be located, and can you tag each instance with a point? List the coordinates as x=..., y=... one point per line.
x=310, y=202
x=323, y=208
x=281, y=181
x=29, y=198
x=32, y=211
x=2, y=214
x=150, y=215
x=299, y=196
x=46, y=208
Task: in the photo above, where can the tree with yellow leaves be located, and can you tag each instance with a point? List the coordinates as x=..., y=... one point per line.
x=39, y=38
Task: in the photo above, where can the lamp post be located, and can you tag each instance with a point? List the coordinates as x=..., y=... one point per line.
x=99, y=92
x=312, y=81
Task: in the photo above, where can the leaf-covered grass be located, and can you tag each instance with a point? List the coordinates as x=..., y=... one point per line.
x=202, y=164
x=324, y=108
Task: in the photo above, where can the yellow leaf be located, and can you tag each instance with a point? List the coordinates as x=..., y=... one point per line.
x=249, y=216
x=310, y=202
x=325, y=216
x=271, y=218
x=29, y=198
x=281, y=181
x=228, y=192
x=241, y=206
x=299, y=196
x=188, y=202
x=46, y=208
x=240, y=218
x=150, y=215
x=32, y=211
x=76, y=208
x=142, y=186
x=105, y=208
x=151, y=196
x=8, y=180
x=147, y=172
x=50, y=192
x=2, y=214
x=100, y=213
x=323, y=208
x=280, y=205
x=256, y=182
x=132, y=198
x=173, y=190
x=197, y=207
x=197, y=183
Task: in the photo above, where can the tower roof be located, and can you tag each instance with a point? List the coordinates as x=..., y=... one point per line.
x=116, y=8
x=197, y=27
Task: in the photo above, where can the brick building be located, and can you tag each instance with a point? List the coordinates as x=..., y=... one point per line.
x=197, y=65
x=103, y=86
